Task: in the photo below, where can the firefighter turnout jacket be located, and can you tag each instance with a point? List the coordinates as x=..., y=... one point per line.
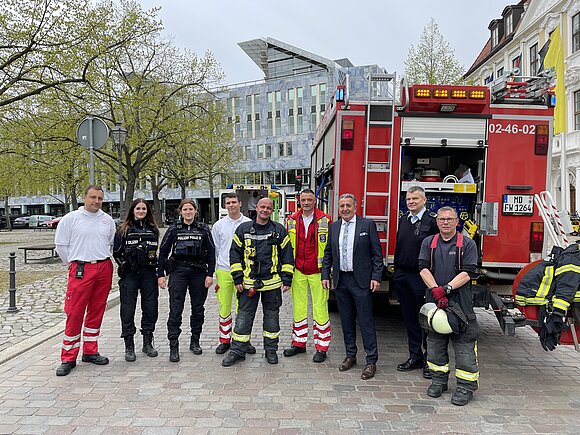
x=311, y=246
x=261, y=256
x=554, y=281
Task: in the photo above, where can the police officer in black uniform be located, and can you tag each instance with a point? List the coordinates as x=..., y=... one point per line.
x=190, y=266
x=135, y=252
x=414, y=227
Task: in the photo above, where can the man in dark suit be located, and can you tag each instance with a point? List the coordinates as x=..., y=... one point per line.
x=354, y=254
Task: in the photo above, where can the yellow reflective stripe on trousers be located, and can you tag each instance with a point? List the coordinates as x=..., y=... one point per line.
x=467, y=376
x=436, y=368
x=271, y=335
x=240, y=337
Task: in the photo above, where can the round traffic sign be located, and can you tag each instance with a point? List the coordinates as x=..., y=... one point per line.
x=99, y=130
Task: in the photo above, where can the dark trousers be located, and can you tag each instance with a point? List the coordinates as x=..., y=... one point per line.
x=144, y=279
x=180, y=280
x=356, y=302
x=465, y=347
x=247, y=306
x=410, y=290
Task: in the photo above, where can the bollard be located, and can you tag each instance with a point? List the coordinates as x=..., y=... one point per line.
x=12, y=289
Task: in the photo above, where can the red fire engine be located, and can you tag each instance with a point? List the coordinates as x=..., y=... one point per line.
x=484, y=151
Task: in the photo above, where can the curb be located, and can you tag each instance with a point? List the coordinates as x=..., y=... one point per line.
x=32, y=342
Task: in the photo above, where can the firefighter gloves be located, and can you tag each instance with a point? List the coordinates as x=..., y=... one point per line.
x=440, y=296
x=551, y=331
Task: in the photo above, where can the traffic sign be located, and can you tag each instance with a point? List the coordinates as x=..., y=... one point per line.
x=95, y=129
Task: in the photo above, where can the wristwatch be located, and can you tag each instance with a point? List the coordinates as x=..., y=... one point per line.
x=448, y=288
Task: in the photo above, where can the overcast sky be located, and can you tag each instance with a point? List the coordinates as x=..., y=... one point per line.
x=367, y=32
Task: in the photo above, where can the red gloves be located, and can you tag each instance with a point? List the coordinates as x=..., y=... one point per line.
x=217, y=287
x=440, y=297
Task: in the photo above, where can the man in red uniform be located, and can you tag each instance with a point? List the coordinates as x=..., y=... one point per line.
x=308, y=231
x=84, y=240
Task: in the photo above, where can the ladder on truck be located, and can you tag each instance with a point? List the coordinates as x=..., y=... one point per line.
x=557, y=223
x=379, y=150
x=516, y=89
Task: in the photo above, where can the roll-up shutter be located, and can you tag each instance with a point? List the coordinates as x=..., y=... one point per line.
x=452, y=132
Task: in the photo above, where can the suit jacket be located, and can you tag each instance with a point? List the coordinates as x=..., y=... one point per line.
x=367, y=253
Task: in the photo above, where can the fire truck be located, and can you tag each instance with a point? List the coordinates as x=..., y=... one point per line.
x=483, y=150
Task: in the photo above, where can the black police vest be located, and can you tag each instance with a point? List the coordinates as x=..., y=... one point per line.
x=189, y=243
x=141, y=246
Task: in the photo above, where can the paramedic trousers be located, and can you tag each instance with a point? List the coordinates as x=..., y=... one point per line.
x=247, y=306
x=225, y=294
x=85, y=295
x=145, y=280
x=465, y=347
x=180, y=280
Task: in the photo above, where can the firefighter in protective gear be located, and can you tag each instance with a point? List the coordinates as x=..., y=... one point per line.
x=190, y=266
x=135, y=252
x=223, y=233
x=261, y=265
x=447, y=262
x=84, y=239
x=308, y=232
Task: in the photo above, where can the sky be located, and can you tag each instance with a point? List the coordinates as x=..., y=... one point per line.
x=367, y=32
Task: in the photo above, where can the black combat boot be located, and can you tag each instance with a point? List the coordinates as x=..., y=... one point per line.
x=174, y=350
x=148, y=344
x=129, y=349
x=194, y=345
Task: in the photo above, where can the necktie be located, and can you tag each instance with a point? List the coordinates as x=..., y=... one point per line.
x=345, y=246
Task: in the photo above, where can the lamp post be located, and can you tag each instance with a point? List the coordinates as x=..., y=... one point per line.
x=119, y=135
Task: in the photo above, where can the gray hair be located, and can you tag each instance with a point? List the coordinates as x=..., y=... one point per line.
x=414, y=189
x=447, y=208
x=348, y=196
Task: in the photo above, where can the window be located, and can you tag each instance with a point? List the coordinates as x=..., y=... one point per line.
x=509, y=24
x=576, y=33
x=500, y=72
x=516, y=63
x=577, y=110
x=245, y=152
x=264, y=151
x=285, y=149
x=534, y=60
x=494, y=36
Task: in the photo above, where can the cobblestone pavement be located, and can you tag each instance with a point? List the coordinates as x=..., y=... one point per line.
x=522, y=388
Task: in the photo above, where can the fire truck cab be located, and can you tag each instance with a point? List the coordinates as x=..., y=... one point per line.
x=484, y=151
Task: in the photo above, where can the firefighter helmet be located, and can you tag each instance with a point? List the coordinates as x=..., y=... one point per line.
x=433, y=318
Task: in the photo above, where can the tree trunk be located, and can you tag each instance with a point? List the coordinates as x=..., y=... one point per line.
x=74, y=199
x=182, y=186
x=155, y=189
x=7, y=213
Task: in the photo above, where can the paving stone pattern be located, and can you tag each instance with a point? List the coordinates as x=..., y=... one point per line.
x=522, y=388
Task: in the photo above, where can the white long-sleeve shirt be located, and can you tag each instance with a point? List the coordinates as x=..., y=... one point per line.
x=85, y=236
x=223, y=234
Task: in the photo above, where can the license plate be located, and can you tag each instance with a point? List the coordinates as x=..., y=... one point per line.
x=518, y=205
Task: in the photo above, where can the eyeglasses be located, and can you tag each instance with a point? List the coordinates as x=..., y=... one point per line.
x=446, y=219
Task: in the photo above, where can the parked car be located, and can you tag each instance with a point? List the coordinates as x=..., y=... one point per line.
x=36, y=220
x=51, y=223
x=21, y=222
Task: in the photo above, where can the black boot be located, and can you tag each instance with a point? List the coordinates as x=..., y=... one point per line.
x=194, y=345
x=148, y=344
x=129, y=349
x=174, y=350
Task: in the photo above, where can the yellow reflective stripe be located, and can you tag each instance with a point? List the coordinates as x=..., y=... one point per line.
x=546, y=282
x=287, y=268
x=274, y=267
x=577, y=297
x=468, y=376
x=568, y=268
x=436, y=368
x=236, y=267
x=561, y=304
x=269, y=284
x=240, y=337
x=285, y=242
x=523, y=301
x=237, y=241
x=271, y=334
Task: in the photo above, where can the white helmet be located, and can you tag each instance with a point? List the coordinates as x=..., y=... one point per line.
x=435, y=319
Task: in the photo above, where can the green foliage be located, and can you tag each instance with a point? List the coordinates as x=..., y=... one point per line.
x=432, y=61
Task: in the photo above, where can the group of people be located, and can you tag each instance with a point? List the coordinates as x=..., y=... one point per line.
x=257, y=259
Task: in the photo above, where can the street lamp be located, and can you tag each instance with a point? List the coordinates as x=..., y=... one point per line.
x=119, y=135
